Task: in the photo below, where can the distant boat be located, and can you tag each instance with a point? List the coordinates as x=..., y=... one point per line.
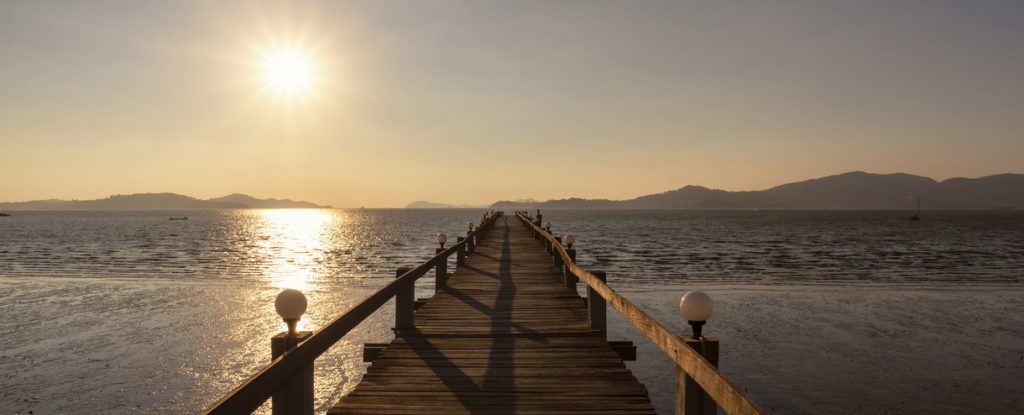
x=5, y=214
x=179, y=218
x=917, y=216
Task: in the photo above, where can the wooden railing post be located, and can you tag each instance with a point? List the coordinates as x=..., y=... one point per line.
x=691, y=399
x=597, y=307
x=570, y=279
x=295, y=397
x=469, y=242
x=405, y=302
x=440, y=272
x=460, y=255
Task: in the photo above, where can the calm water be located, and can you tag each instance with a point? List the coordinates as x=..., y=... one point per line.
x=636, y=246
x=130, y=311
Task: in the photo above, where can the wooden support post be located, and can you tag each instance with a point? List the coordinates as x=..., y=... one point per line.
x=405, y=300
x=690, y=397
x=460, y=255
x=554, y=253
x=295, y=397
x=597, y=308
x=469, y=242
x=570, y=279
x=440, y=272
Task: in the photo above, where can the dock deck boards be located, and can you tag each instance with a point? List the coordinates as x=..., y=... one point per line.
x=505, y=337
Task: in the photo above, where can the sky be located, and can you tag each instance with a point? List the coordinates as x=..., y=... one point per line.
x=476, y=101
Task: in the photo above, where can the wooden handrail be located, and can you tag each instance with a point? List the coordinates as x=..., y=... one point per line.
x=729, y=398
x=248, y=396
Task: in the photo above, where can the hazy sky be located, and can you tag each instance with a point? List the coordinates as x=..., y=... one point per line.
x=474, y=101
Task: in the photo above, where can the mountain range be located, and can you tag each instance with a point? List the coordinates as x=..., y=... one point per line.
x=161, y=201
x=853, y=190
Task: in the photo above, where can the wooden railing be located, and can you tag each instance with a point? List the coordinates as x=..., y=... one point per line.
x=728, y=397
x=282, y=370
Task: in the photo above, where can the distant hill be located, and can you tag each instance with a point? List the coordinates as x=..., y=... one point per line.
x=423, y=204
x=519, y=204
x=853, y=190
x=159, y=201
x=254, y=203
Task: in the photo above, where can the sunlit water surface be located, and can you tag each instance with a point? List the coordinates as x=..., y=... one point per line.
x=131, y=312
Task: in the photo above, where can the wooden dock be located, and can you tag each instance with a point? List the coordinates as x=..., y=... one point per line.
x=507, y=333
x=505, y=336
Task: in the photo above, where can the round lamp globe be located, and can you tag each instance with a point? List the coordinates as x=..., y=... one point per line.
x=290, y=304
x=696, y=306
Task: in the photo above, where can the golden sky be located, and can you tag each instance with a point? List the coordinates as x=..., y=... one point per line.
x=475, y=101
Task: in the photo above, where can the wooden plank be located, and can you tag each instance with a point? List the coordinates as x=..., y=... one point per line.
x=504, y=336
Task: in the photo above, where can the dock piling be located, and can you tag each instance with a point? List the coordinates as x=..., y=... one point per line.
x=440, y=272
x=295, y=397
x=691, y=399
x=597, y=306
x=570, y=279
x=405, y=303
x=460, y=255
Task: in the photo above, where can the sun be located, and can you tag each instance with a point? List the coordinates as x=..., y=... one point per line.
x=288, y=72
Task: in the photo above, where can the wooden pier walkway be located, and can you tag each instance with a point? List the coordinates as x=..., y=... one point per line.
x=505, y=336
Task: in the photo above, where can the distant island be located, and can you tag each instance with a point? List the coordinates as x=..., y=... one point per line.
x=423, y=204
x=853, y=190
x=160, y=201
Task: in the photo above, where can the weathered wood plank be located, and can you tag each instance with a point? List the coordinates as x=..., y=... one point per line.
x=504, y=336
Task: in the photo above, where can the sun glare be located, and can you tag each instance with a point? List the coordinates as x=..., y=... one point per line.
x=288, y=72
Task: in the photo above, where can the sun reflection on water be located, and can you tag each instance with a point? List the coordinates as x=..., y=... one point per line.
x=294, y=241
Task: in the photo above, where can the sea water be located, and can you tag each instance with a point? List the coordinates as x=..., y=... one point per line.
x=816, y=311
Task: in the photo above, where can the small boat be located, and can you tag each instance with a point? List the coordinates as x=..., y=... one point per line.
x=179, y=218
x=5, y=214
x=917, y=216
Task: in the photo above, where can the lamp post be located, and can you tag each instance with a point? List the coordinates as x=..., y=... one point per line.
x=696, y=307
x=296, y=395
x=441, y=268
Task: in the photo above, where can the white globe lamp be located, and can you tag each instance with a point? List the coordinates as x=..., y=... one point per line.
x=290, y=305
x=696, y=307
